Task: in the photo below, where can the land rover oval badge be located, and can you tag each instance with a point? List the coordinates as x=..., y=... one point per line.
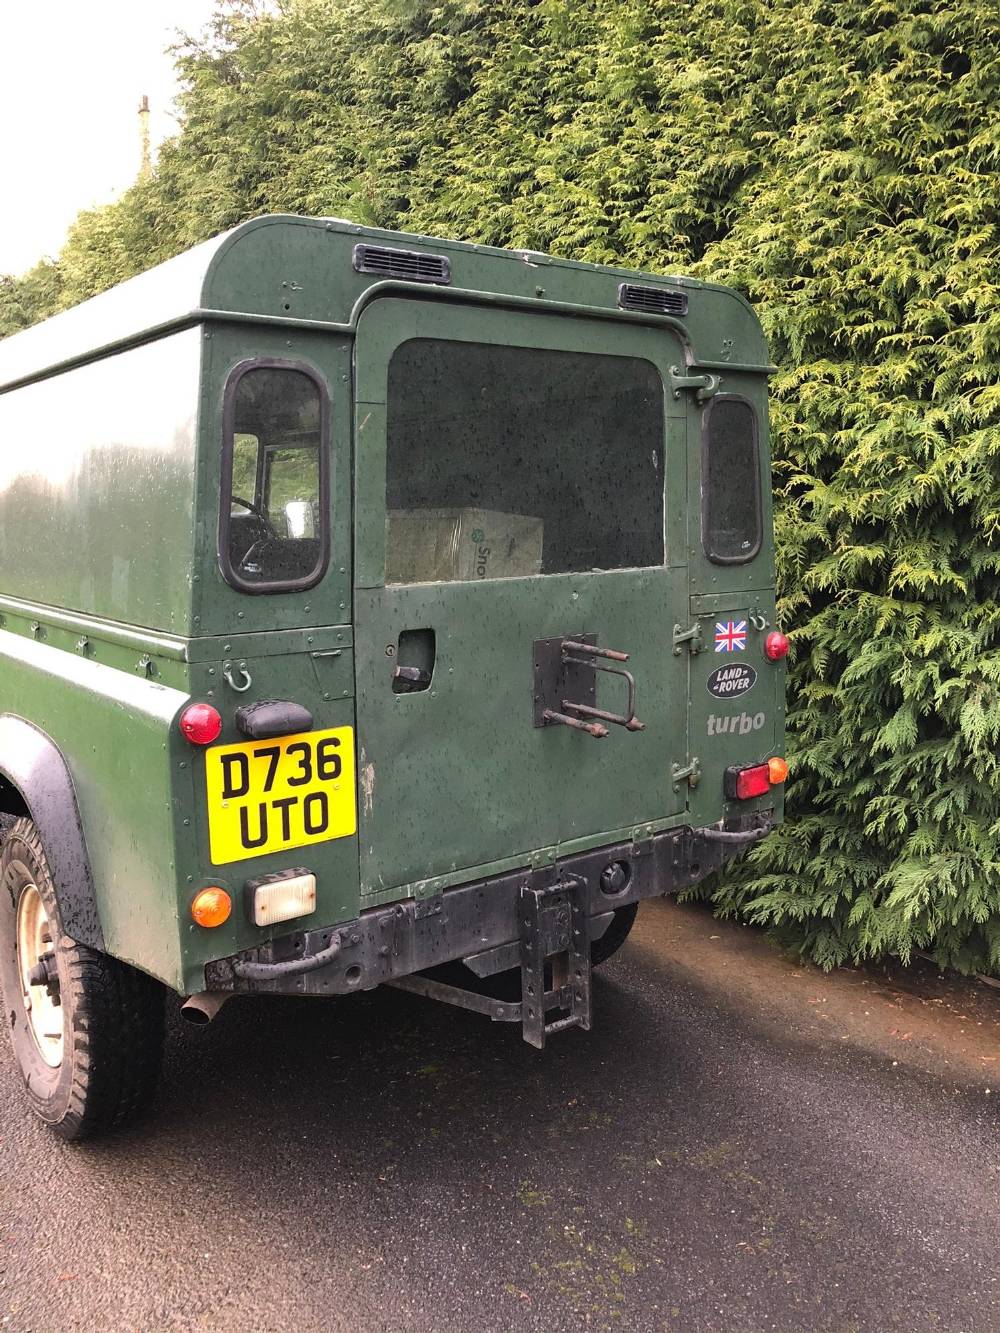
x=732, y=681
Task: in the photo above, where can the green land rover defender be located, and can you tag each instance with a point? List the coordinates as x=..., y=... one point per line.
x=368, y=603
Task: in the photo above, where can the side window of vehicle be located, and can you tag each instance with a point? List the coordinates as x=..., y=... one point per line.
x=274, y=520
x=731, y=520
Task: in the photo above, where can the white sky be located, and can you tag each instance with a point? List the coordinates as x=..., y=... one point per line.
x=72, y=74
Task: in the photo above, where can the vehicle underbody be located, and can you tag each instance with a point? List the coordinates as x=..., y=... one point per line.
x=541, y=921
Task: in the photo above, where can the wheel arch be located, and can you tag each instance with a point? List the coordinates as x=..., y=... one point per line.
x=35, y=781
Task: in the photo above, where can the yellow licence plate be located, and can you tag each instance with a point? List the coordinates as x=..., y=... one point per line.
x=268, y=796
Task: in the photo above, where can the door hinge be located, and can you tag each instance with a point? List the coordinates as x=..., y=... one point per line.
x=691, y=636
x=705, y=386
x=691, y=774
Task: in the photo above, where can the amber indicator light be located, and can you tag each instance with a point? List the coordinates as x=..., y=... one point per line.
x=211, y=907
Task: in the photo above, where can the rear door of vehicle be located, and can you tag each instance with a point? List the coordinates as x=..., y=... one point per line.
x=520, y=480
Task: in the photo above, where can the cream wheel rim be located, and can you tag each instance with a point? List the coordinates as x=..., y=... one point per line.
x=34, y=942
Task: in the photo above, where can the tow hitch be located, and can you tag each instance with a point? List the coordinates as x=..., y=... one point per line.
x=555, y=967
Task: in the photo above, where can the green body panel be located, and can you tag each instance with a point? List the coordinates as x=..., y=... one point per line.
x=114, y=613
x=307, y=680
x=722, y=593
x=297, y=272
x=97, y=486
x=754, y=723
x=115, y=731
x=219, y=609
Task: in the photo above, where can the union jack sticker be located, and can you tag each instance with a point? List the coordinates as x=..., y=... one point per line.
x=730, y=637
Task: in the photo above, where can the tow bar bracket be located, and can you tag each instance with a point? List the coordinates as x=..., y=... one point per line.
x=555, y=938
x=555, y=966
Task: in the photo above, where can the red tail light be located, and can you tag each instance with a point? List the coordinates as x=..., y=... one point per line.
x=200, y=724
x=775, y=646
x=742, y=784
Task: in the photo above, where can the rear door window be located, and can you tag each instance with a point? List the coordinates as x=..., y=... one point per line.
x=516, y=461
x=274, y=520
x=731, y=499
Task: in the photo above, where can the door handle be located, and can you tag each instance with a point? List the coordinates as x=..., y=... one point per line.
x=416, y=651
x=409, y=678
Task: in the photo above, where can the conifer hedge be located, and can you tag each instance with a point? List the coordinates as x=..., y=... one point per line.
x=838, y=162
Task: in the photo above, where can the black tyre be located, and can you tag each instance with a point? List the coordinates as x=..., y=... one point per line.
x=87, y=1030
x=615, y=935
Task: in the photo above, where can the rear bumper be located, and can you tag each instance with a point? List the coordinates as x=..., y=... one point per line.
x=478, y=922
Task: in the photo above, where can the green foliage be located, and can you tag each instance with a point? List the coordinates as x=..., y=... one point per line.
x=839, y=163
x=28, y=299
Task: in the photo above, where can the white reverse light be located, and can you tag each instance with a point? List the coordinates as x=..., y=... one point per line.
x=284, y=899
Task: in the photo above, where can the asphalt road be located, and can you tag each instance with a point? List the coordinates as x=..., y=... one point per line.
x=738, y=1145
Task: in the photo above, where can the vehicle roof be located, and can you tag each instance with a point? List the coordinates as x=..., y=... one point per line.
x=288, y=269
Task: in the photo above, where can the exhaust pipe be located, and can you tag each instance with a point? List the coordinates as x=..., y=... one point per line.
x=202, y=1008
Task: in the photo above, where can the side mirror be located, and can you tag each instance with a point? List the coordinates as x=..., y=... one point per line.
x=300, y=520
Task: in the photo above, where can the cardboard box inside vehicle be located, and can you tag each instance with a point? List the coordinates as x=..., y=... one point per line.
x=455, y=545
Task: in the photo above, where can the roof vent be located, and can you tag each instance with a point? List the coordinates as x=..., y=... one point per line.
x=411, y=265
x=652, y=300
